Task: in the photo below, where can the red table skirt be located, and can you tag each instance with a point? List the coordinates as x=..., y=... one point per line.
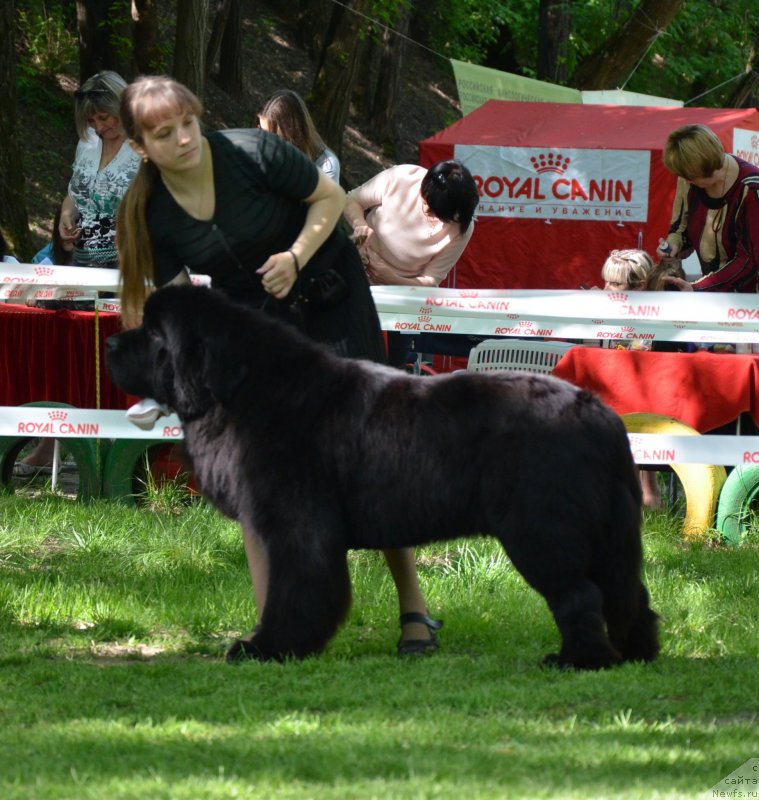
x=51, y=355
x=703, y=390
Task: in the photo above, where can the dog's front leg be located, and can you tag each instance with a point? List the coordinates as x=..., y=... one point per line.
x=305, y=595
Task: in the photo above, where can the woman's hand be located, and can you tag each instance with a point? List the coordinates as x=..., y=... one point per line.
x=667, y=251
x=278, y=274
x=361, y=235
x=68, y=228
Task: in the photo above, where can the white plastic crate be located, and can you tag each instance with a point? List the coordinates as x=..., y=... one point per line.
x=496, y=355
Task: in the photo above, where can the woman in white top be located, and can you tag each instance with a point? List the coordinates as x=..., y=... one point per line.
x=285, y=114
x=103, y=169
x=412, y=223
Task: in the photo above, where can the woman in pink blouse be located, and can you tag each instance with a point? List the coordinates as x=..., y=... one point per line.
x=412, y=224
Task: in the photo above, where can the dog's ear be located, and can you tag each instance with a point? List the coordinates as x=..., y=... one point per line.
x=223, y=370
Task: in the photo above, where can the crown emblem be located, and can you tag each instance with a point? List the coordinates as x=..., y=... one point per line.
x=44, y=271
x=679, y=324
x=469, y=293
x=628, y=328
x=425, y=318
x=57, y=416
x=513, y=316
x=635, y=440
x=550, y=162
x=754, y=142
x=617, y=297
x=598, y=321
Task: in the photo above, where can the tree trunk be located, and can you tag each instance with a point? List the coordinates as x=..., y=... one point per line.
x=743, y=94
x=217, y=32
x=145, y=36
x=385, y=99
x=190, y=44
x=330, y=96
x=314, y=24
x=612, y=62
x=104, y=30
x=230, y=61
x=13, y=217
x=554, y=27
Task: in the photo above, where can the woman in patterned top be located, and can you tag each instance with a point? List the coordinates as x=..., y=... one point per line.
x=103, y=169
x=251, y=211
x=715, y=213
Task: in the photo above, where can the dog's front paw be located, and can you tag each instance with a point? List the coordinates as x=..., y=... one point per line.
x=553, y=661
x=244, y=649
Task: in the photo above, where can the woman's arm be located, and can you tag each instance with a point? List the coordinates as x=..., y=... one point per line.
x=68, y=227
x=677, y=236
x=325, y=204
x=362, y=198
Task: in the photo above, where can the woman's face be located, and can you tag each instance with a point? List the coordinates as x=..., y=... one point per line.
x=174, y=143
x=106, y=125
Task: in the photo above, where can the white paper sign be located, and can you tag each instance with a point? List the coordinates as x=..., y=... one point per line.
x=559, y=183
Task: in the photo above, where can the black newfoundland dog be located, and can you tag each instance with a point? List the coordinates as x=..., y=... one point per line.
x=320, y=454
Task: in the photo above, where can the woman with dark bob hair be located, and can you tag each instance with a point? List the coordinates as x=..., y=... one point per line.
x=412, y=224
x=251, y=211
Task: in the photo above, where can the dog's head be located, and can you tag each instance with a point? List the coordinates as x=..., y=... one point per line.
x=187, y=353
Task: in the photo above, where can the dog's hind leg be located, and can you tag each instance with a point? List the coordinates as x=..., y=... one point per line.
x=636, y=632
x=578, y=612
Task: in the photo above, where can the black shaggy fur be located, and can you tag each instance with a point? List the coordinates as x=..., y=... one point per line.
x=320, y=454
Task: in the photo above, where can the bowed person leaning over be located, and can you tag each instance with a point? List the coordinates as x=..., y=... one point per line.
x=715, y=213
x=411, y=225
x=251, y=211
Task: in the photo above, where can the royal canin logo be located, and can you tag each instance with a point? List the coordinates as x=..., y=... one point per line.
x=425, y=318
x=58, y=416
x=617, y=297
x=43, y=271
x=627, y=328
x=550, y=162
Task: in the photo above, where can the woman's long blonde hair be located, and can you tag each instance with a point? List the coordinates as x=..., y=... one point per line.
x=144, y=103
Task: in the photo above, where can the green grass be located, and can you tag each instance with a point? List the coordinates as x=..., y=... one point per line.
x=113, y=624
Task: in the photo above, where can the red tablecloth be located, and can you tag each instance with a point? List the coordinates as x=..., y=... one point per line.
x=50, y=355
x=703, y=390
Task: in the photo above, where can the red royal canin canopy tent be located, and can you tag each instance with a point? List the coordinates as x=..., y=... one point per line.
x=562, y=184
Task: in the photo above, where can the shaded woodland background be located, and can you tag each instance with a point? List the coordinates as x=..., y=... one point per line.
x=375, y=72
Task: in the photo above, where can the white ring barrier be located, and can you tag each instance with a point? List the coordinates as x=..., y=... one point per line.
x=62, y=423
x=552, y=313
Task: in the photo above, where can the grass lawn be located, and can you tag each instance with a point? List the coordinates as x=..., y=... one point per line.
x=114, y=621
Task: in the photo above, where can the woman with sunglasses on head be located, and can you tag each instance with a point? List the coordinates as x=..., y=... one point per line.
x=103, y=169
x=715, y=212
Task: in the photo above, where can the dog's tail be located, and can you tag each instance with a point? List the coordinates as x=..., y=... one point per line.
x=631, y=624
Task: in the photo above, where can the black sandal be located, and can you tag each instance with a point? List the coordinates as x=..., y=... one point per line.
x=419, y=647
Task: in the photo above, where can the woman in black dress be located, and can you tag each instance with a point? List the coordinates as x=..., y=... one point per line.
x=251, y=211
